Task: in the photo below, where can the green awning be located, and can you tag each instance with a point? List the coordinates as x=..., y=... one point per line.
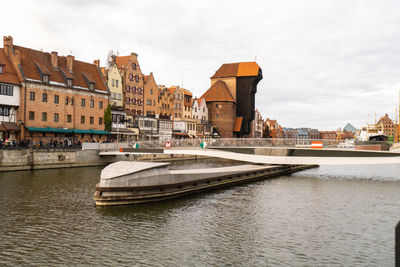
x=100, y=132
x=78, y=131
x=49, y=130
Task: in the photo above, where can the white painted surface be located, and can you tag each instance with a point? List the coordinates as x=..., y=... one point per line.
x=121, y=168
x=261, y=159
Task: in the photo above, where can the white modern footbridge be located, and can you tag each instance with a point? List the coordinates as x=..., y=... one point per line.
x=247, y=150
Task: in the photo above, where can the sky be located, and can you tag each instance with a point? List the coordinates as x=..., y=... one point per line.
x=324, y=63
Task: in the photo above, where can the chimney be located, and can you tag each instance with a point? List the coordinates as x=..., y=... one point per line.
x=18, y=57
x=70, y=63
x=134, y=55
x=151, y=73
x=7, y=44
x=54, y=59
x=97, y=62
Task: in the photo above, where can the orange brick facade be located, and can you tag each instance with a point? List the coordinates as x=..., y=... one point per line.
x=150, y=96
x=222, y=114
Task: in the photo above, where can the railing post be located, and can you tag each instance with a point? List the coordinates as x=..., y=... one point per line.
x=397, y=245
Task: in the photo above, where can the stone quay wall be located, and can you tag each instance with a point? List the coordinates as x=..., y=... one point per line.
x=32, y=159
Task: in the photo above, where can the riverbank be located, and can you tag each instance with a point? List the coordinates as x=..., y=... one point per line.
x=34, y=159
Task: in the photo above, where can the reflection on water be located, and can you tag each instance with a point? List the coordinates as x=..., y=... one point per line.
x=326, y=216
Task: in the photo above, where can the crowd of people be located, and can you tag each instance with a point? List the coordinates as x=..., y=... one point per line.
x=47, y=142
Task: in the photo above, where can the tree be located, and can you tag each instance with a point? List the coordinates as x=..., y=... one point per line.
x=107, y=119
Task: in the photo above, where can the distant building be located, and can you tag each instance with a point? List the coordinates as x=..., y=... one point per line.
x=177, y=95
x=257, y=125
x=328, y=135
x=387, y=126
x=199, y=109
x=187, y=104
x=349, y=128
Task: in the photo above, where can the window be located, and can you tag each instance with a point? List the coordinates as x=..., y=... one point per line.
x=154, y=103
x=56, y=99
x=66, y=101
x=116, y=83
x=100, y=120
x=128, y=88
x=82, y=102
x=91, y=120
x=151, y=91
x=6, y=90
x=92, y=103
x=137, y=78
x=69, y=118
x=45, y=78
x=44, y=97
x=72, y=101
x=131, y=77
x=31, y=115
x=112, y=82
x=69, y=82
x=134, y=66
x=100, y=104
x=133, y=89
x=82, y=119
x=32, y=96
x=91, y=86
x=55, y=117
x=127, y=100
x=44, y=116
x=134, y=101
x=148, y=102
x=1, y=69
x=119, y=96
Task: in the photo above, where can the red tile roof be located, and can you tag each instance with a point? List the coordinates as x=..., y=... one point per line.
x=122, y=61
x=186, y=92
x=32, y=59
x=218, y=92
x=240, y=69
x=9, y=74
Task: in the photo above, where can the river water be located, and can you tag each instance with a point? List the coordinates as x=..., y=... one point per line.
x=329, y=216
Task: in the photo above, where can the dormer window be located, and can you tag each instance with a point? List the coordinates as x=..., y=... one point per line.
x=45, y=78
x=91, y=86
x=69, y=82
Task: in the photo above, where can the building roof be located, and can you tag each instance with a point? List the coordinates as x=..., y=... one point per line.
x=9, y=74
x=349, y=128
x=122, y=62
x=240, y=69
x=186, y=92
x=34, y=61
x=218, y=92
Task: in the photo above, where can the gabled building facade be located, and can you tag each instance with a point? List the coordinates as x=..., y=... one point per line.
x=199, y=109
x=187, y=104
x=165, y=102
x=9, y=100
x=150, y=96
x=177, y=102
x=133, y=83
x=61, y=97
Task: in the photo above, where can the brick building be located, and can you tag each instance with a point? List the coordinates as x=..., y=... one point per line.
x=151, y=105
x=177, y=97
x=133, y=83
x=387, y=125
x=187, y=104
x=164, y=102
x=61, y=97
x=222, y=109
x=241, y=80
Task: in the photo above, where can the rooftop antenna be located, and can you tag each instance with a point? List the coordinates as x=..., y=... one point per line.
x=255, y=58
x=375, y=116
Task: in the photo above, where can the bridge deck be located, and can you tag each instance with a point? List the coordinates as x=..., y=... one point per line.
x=262, y=159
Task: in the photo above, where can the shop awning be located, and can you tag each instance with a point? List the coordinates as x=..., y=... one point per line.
x=79, y=131
x=48, y=130
x=63, y=130
x=11, y=126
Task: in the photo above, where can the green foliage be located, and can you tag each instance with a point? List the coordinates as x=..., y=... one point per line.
x=107, y=119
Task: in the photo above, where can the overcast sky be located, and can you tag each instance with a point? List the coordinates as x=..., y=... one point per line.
x=325, y=63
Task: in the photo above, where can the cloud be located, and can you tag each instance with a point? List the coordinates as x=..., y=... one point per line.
x=325, y=63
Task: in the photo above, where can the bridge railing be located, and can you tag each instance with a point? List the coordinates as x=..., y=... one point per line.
x=225, y=142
